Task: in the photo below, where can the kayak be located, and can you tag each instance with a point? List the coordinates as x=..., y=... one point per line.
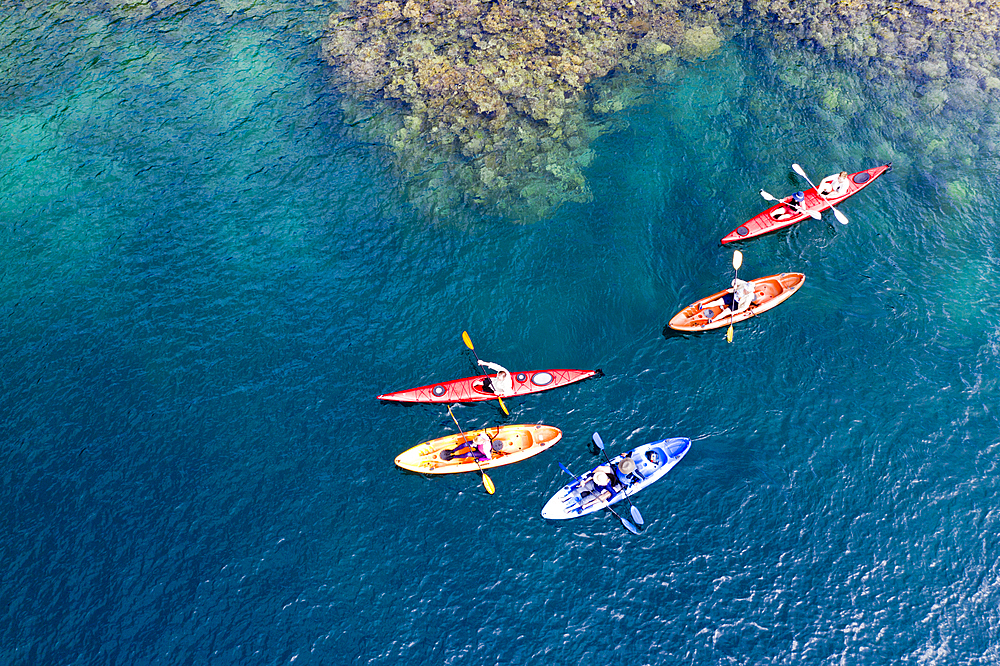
x=633, y=471
x=769, y=292
x=470, y=389
x=780, y=215
x=511, y=444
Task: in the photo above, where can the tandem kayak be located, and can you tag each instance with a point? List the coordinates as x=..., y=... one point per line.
x=470, y=389
x=633, y=471
x=769, y=292
x=781, y=215
x=511, y=444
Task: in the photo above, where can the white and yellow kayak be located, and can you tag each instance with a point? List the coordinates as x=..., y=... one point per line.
x=511, y=444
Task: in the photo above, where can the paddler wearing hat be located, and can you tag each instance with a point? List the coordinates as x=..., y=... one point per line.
x=604, y=481
x=792, y=207
x=626, y=466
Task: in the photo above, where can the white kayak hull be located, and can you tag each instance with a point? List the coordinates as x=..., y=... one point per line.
x=652, y=462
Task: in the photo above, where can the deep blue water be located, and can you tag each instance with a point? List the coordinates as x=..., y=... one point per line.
x=208, y=275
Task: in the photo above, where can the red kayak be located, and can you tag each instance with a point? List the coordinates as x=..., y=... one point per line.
x=781, y=215
x=470, y=389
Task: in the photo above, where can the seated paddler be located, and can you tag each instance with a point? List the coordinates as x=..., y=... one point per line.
x=501, y=385
x=481, y=448
x=736, y=299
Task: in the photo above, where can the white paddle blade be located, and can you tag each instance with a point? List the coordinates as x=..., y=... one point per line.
x=629, y=526
x=767, y=196
x=814, y=214
x=797, y=169
x=840, y=216
x=737, y=259
x=598, y=441
x=637, y=516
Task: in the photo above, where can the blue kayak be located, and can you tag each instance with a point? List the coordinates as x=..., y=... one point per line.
x=632, y=471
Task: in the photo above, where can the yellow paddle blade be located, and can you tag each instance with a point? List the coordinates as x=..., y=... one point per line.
x=503, y=406
x=467, y=340
x=729, y=334
x=488, y=482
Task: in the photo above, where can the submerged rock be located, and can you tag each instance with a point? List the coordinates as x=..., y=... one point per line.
x=501, y=89
x=509, y=95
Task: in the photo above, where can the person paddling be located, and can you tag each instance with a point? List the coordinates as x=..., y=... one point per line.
x=792, y=207
x=604, y=480
x=742, y=297
x=500, y=385
x=481, y=447
x=834, y=186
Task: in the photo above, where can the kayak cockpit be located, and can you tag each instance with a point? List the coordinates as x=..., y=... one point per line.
x=765, y=290
x=784, y=212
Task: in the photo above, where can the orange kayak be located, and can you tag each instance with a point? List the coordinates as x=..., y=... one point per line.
x=769, y=292
x=511, y=444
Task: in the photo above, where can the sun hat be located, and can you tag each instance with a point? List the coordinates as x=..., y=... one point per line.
x=626, y=466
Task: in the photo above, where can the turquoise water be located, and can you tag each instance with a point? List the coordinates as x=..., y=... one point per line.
x=209, y=275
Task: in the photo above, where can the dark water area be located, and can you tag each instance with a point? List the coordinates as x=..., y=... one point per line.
x=208, y=275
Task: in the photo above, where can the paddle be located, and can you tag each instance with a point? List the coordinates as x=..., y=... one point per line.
x=840, y=216
x=635, y=510
x=487, y=481
x=737, y=262
x=468, y=343
x=811, y=213
x=629, y=526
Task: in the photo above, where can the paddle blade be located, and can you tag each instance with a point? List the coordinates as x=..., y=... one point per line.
x=840, y=216
x=598, y=441
x=737, y=259
x=503, y=406
x=814, y=214
x=797, y=169
x=767, y=196
x=636, y=516
x=729, y=334
x=488, y=482
x=629, y=526
x=467, y=340
x=563, y=468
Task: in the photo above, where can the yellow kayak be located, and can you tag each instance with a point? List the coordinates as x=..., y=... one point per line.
x=452, y=454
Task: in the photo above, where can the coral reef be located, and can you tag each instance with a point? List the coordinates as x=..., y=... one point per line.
x=503, y=98
x=934, y=42
x=503, y=85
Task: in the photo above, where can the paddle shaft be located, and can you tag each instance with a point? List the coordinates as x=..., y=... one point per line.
x=737, y=262
x=840, y=216
x=636, y=514
x=468, y=343
x=624, y=486
x=811, y=213
x=628, y=525
x=487, y=481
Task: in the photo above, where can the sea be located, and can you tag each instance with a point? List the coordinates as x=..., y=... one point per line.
x=209, y=273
